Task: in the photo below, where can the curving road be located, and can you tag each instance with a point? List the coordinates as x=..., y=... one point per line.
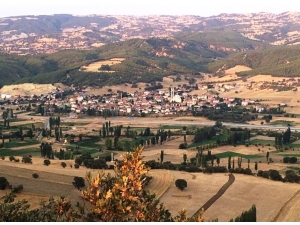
x=213, y=199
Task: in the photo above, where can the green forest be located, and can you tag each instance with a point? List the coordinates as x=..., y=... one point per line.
x=149, y=60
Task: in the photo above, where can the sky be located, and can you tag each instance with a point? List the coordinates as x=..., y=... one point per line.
x=144, y=7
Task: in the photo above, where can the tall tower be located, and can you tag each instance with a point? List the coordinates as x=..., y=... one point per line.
x=172, y=93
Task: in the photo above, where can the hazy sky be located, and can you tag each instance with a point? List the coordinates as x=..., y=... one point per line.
x=144, y=7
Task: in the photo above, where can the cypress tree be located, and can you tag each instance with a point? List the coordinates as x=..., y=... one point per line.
x=229, y=162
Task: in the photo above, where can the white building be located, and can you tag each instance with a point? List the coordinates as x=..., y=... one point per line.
x=5, y=96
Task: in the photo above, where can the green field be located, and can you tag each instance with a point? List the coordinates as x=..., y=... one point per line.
x=234, y=154
x=262, y=142
x=18, y=143
x=290, y=155
x=222, y=137
x=283, y=123
x=21, y=152
x=170, y=127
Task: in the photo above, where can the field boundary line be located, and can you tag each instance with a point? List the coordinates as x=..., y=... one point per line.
x=172, y=179
x=284, y=205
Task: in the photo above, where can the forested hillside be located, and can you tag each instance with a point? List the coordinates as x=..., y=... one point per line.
x=145, y=60
x=275, y=60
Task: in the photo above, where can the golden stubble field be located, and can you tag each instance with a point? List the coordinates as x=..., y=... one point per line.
x=27, y=89
x=94, y=67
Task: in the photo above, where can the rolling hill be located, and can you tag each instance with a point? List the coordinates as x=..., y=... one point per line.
x=145, y=60
x=275, y=61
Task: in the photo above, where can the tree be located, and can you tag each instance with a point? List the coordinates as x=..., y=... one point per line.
x=3, y=183
x=181, y=184
x=247, y=216
x=184, y=158
x=161, y=156
x=35, y=175
x=248, y=163
x=267, y=156
x=4, y=117
x=116, y=139
x=229, y=162
x=26, y=159
x=30, y=133
x=108, y=143
x=111, y=130
x=78, y=182
x=47, y=162
x=218, y=161
x=104, y=131
x=182, y=146
x=240, y=162
x=255, y=166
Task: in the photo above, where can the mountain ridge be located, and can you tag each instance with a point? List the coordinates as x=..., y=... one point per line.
x=51, y=33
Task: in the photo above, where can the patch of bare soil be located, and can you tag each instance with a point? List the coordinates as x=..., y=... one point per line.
x=28, y=89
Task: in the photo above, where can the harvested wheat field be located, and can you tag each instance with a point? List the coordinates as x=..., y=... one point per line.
x=241, y=149
x=171, y=154
x=268, y=196
x=290, y=210
x=123, y=87
x=230, y=74
x=29, y=89
x=54, y=168
x=171, y=151
x=200, y=188
x=94, y=67
x=161, y=182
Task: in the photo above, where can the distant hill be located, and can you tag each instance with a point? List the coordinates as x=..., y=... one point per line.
x=52, y=33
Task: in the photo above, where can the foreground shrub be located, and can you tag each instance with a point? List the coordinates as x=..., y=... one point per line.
x=3, y=183
x=17, y=189
x=3, y=157
x=78, y=182
x=11, y=158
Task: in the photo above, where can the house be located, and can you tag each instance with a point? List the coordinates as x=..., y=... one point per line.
x=5, y=96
